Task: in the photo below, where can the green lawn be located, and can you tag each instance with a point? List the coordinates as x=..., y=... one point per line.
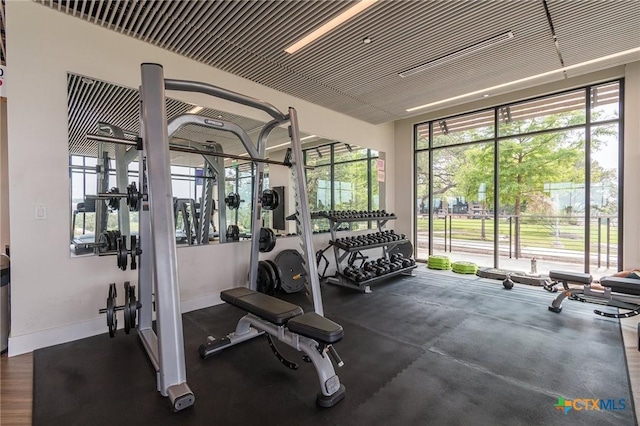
x=532, y=234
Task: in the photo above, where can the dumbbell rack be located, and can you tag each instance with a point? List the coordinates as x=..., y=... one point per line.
x=341, y=252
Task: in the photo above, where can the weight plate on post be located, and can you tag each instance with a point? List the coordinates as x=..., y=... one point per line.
x=232, y=200
x=270, y=199
x=291, y=265
x=273, y=279
x=133, y=196
x=278, y=275
x=266, y=278
x=267, y=240
x=122, y=253
x=134, y=252
x=127, y=308
x=112, y=321
x=103, y=242
x=130, y=307
x=233, y=233
x=113, y=202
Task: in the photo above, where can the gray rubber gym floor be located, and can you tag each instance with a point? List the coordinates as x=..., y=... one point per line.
x=437, y=348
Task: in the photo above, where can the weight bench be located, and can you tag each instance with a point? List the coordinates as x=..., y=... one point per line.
x=310, y=333
x=623, y=293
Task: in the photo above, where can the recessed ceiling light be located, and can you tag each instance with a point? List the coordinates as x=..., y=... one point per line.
x=325, y=28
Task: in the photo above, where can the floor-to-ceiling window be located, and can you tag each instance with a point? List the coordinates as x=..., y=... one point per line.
x=537, y=179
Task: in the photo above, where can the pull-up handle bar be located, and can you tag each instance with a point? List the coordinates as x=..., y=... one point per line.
x=196, y=86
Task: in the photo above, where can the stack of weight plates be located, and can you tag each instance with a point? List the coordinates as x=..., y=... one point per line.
x=464, y=267
x=439, y=262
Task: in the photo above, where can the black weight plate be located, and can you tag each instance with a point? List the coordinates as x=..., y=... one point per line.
x=130, y=307
x=233, y=233
x=232, y=201
x=273, y=242
x=133, y=307
x=127, y=308
x=112, y=321
x=291, y=264
x=113, y=202
x=103, y=242
x=273, y=279
x=133, y=196
x=122, y=253
x=111, y=240
x=134, y=252
x=114, y=239
x=264, y=240
x=265, y=278
x=267, y=240
x=278, y=274
x=270, y=199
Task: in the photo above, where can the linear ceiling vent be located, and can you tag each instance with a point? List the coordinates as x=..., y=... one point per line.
x=493, y=41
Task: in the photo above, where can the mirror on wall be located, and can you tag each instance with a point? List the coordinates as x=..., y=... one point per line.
x=212, y=195
x=200, y=183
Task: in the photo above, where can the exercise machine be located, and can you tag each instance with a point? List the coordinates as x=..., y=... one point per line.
x=622, y=293
x=310, y=333
x=158, y=260
x=518, y=277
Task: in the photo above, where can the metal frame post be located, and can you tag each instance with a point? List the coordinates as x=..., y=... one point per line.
x=172, y=370
x=304, y=216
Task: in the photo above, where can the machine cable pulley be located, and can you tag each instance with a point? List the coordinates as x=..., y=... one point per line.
x=130, y=308
x=270, y=199
x=132, y=197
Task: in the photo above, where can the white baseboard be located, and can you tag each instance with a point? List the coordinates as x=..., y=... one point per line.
x=30, y=342
x=200, y=302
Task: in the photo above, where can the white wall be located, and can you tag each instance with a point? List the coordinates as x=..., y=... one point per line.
x=55, y=298
x=631, y=195
x=4, y=177
x=404, y=202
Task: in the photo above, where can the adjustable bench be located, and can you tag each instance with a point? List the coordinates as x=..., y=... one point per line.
x=310, y=333
x=623, y=293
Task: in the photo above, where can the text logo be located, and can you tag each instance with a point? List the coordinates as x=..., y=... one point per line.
x=589, y=404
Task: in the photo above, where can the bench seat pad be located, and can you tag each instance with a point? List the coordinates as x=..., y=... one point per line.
x=274, y=310
x=574, y=277
x=622, y=285
x=316, y=327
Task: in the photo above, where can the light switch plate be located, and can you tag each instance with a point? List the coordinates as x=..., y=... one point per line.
x=40, y=212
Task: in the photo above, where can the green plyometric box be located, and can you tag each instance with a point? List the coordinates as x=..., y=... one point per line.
x=439, y=262
x=464, y=267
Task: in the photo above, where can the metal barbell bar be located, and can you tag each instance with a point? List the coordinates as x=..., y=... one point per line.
x=133, y=196
x=178, y=148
